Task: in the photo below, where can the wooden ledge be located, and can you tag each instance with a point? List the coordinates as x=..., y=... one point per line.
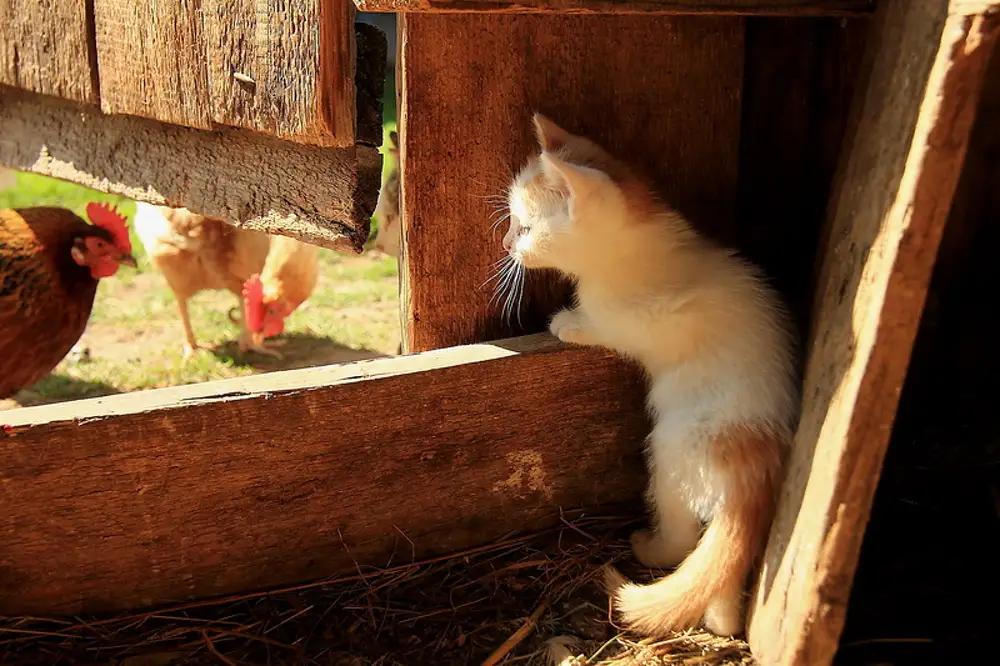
x=719, y=7
x=199, y=491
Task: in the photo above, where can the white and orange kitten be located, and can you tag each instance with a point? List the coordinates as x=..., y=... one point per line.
x=718, y=350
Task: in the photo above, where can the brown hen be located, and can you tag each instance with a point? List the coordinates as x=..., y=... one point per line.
x=50, y=263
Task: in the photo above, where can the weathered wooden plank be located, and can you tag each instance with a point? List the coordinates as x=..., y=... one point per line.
x=45, y=47
x=152, y=60
x=665, y=96
x=210, y=489
x=369, y=80
x=724, y=7
x=320, y=196
x=285, y=69
x=799, y=79
x=894, y=194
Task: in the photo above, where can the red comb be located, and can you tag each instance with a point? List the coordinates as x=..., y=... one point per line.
x=253, y=302
x=106, y=217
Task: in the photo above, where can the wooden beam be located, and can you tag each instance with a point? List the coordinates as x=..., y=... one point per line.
x=905, y=155
x=320, y=196
x=718, y=7
x=195, y=491
x=152, y=60
x=667, y=95
x=285, y=69
x=46, y=48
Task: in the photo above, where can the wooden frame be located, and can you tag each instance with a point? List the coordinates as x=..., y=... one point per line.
x=196, y=491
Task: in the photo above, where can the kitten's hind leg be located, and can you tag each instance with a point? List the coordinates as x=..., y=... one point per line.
x=676, y=528
x=570, y=325
x=724, y=615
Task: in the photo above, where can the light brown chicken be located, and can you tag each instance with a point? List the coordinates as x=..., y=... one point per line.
x=194, y=253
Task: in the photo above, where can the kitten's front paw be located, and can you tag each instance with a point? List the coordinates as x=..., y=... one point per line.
x=567, y=325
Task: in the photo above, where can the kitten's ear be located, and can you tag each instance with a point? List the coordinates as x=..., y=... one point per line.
x=580, y=180
x=550, y=136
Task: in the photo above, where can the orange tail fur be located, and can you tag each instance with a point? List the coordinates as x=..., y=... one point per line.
x=709, y=582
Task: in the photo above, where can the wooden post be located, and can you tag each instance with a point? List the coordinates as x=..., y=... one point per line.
x=900, y=169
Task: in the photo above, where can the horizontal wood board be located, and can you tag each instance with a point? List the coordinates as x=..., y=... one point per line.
x=323, y=196
x=48, y=48
x=282, y=68
x=904, y=158
x=661, y=92
x=222, y=487
x=723, y=7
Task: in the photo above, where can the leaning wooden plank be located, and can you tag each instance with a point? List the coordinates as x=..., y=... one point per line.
x=46, y=48
x=281, y=68
x=152, y=62
x=730, y=7
x=667, y=95
x=323, y=196
x=203, y=490
x=896, y=188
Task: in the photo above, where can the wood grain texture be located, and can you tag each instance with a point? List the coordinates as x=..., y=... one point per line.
x=45, y=47
x=723, y=7
x=799, y=79
x=894, y=195
x=320, y=196
x=221, y=487
x=667, y=98
x=372, y=49
x=283, y=68
x=152, y=60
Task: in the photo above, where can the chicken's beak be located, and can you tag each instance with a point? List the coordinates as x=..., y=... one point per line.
x=257, y=338
x=127, y=259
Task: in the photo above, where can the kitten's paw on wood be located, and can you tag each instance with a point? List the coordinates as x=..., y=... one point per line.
x=569, y=326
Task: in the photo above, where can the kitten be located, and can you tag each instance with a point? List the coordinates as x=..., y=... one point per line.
x=718, y=349
x=388, y=234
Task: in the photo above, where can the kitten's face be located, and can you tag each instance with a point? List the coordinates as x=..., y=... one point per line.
x=539, y=219
x=563, y=204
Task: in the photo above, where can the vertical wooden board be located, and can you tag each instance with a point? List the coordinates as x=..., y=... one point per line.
x=281, y=68
x=894, y=194
x=46, y=47
x=664, y=93
x=799, y=79
x=152, y=60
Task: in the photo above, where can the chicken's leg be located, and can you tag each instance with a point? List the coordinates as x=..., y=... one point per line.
x=190, y=344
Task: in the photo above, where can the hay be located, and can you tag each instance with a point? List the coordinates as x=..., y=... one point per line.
x=520, y=601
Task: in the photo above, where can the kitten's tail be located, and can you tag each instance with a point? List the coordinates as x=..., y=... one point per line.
x=709, y=582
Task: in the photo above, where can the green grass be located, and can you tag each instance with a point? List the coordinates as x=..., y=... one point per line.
x=134, y=335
